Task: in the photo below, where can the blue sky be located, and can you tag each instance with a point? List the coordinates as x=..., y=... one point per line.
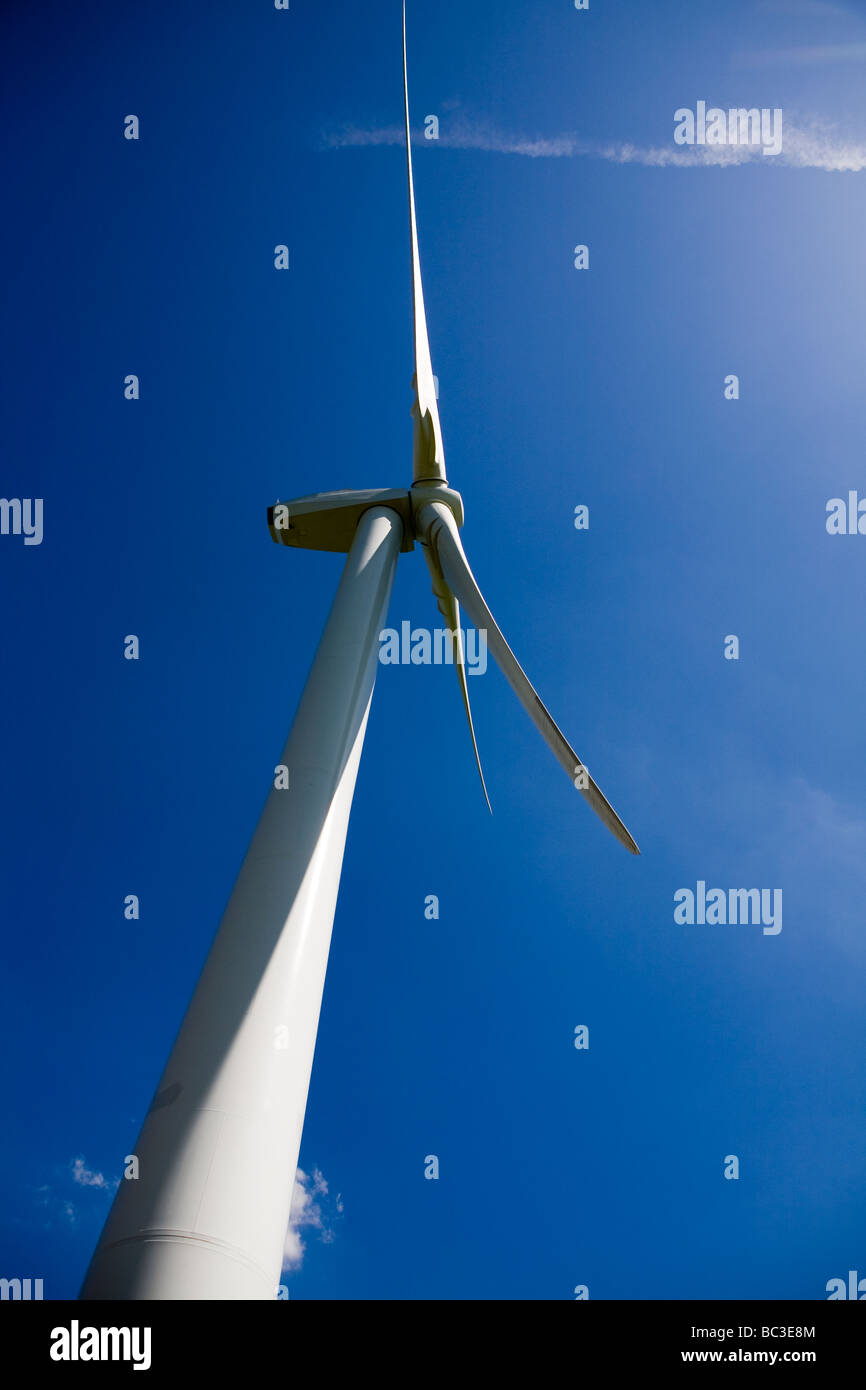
x=605, y=387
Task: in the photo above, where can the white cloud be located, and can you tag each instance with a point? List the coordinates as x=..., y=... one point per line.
x=308, y=1213
x=87, y=1178
x=812, y=145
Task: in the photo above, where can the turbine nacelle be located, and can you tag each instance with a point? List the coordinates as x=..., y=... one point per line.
x=329, y=520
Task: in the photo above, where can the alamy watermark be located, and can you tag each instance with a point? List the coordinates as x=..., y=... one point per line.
x=418, y=646
x=846, y=517
x=736, y=126
x=729, y=907
x=77, y=1343
x=22, y=1289
x=852, y=1288
x=22, y=516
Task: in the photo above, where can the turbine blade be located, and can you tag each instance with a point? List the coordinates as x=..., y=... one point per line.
x=439, y=529
x=428, y=453
x=450, y=610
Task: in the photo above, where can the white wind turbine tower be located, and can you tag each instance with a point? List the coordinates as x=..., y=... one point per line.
x=208, y=1214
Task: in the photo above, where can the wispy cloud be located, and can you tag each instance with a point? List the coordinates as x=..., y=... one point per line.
x=796, y=834
x=808, y=55
x=817, y=828
x=461, y=136
x=844, y=43
x=86, y=1177
x=53, y=1206
x=805, y=9
x=309, y=1213
x=52, y=1201
x=814, y=145
x=816, y=844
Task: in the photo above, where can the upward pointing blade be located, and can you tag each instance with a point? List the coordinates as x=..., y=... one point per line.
x=440, y=533
x=428, y=453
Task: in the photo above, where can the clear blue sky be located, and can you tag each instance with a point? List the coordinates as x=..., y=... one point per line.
x=557, y=387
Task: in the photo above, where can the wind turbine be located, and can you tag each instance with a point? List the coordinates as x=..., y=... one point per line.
x=207, y=1216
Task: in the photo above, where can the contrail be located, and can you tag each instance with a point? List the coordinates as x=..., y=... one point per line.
x=814, y=145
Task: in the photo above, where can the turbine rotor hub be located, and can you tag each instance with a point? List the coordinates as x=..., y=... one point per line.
x=423, y=492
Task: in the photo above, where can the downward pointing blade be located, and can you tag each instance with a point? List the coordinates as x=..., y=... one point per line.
x=428, y=453
x=450, y=610
x=439, y=529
